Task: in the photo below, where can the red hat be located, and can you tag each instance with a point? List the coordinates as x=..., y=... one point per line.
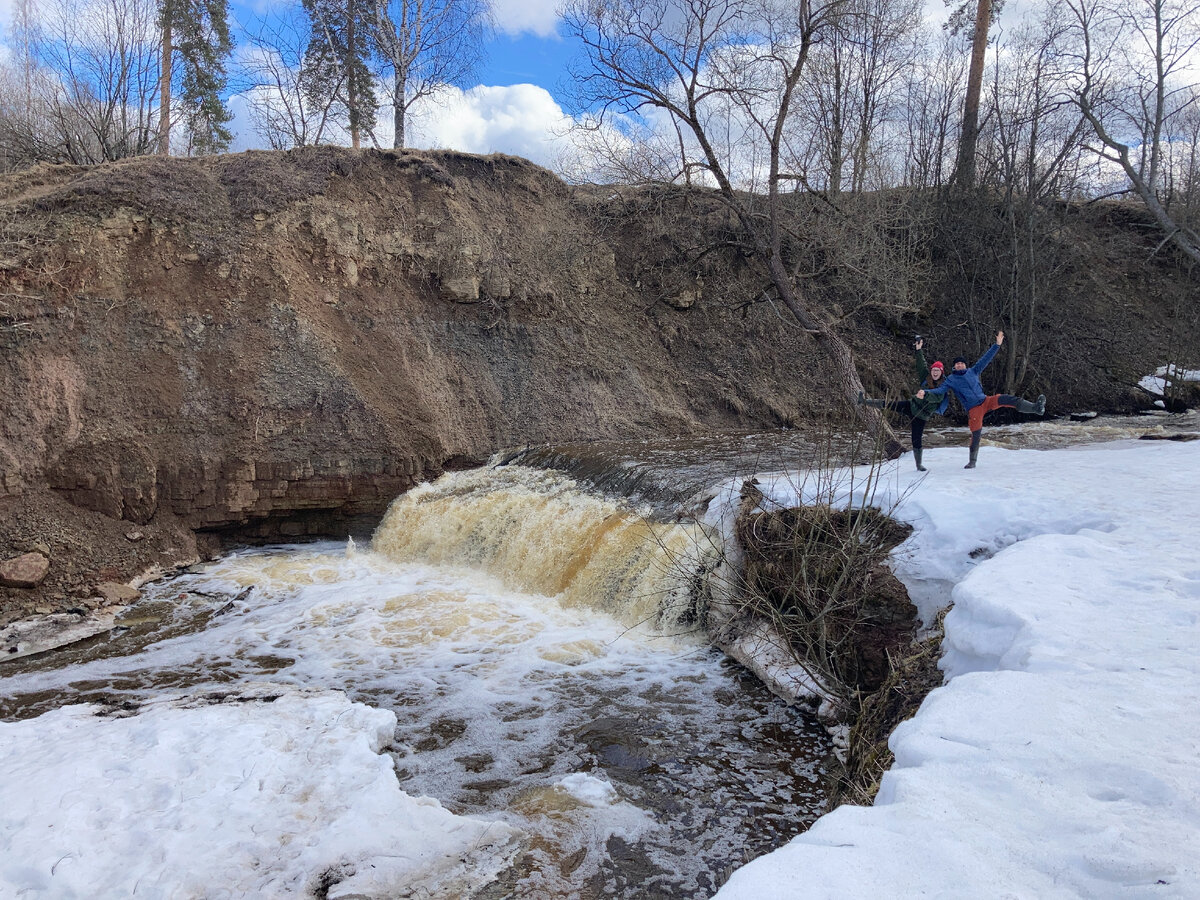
x=937, y=365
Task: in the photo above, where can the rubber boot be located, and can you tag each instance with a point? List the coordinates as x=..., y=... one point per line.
x=975, y=435
x=1032, y=409
x=917, y=459
x=877, y=404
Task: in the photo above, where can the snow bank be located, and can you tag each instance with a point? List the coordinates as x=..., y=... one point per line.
x=1059, y=760
x=251, y=797
x=1157, y=383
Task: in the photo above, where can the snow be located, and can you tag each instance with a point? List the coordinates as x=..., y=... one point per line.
x=1059, y=758
x=257, y=792
x=589, y=789
x=1157, y=383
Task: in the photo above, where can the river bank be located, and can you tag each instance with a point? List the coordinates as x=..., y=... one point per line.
x=1052, y=760
x=270, y=346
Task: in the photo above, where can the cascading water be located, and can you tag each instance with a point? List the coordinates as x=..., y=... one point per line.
x=539, y=645
x=537, y=532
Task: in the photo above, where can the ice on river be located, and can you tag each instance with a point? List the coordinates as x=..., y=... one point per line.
x=1060, y=758
x=259, y=792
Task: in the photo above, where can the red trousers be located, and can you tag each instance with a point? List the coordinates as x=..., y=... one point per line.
x=976, y=413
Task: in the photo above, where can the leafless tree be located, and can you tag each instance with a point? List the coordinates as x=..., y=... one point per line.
x=428, y=45
x=1125, y=89
x=86, y=87
x=704, y=64
x=933, y=89
x=283, y=112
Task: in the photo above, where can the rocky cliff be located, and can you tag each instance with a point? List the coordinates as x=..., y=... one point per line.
x=273, y=345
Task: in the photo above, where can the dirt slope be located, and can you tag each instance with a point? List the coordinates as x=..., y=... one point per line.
x=274, y=344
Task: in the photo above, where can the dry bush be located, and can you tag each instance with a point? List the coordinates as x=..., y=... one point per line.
x=913, y=675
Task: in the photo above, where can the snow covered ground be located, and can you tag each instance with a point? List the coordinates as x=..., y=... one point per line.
x=1060, y=759
x=1157, y=383
x=264, y=793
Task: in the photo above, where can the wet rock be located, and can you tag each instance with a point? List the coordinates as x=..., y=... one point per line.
x=25, y=571
x=115, y=593
x=1083, y=416
x=1184, y=436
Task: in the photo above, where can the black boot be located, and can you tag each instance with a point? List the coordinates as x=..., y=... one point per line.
x=877, y=404
x=917, y=459
x=975, y=435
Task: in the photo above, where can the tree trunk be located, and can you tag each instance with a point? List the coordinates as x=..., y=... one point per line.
x=351, y=80
x=964, y=173
x=839, y=355
x=164, y=91
x=399, y=110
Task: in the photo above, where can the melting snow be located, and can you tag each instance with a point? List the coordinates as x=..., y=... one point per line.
x=1059, y=759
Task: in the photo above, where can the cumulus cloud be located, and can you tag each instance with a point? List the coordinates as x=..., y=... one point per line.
x=515, y=17
x=521, y=119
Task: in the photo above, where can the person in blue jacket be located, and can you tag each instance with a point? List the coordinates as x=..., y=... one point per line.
x=918, y=407
x=969, y=389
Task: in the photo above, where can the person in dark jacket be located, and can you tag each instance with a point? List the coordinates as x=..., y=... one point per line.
x=918, y=407
x=968, y=388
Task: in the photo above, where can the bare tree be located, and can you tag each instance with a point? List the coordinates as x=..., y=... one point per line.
x=693, y=61
x=1169, y=32
x=428, y=45
x=932, y=93
x=86, y=88
x=283, y=111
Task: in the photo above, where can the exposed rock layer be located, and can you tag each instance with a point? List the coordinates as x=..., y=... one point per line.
x=278, y=344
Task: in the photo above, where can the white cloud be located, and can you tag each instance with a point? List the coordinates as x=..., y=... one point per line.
x=521, y=119
x=538, y=17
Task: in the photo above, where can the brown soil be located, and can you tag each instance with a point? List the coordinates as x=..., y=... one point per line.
x=266, y=345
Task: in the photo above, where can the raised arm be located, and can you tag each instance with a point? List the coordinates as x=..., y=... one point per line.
x=990, y=355
x=920, y=367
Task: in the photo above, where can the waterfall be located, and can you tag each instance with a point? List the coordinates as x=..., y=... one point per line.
x=538, y=531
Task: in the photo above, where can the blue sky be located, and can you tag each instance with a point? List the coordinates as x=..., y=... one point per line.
x=513, y=105
x=527, y=58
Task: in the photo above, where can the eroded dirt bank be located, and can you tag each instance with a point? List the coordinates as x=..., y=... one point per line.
x=274, y=345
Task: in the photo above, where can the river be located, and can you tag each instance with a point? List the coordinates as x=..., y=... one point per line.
x=527, y=622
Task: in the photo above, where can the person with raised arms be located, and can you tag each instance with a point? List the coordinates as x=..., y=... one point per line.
x=918, y=407
x=968, y=388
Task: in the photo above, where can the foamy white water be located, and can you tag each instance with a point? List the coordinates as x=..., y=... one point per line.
x=513, y=625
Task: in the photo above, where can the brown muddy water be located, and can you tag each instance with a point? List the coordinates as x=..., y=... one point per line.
x=533, y=626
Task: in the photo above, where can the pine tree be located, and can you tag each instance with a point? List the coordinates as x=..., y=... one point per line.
x=195, y=33
x=337, y=64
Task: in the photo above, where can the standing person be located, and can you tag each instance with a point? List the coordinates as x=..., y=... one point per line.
x=969, y=389
x=918, y=407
